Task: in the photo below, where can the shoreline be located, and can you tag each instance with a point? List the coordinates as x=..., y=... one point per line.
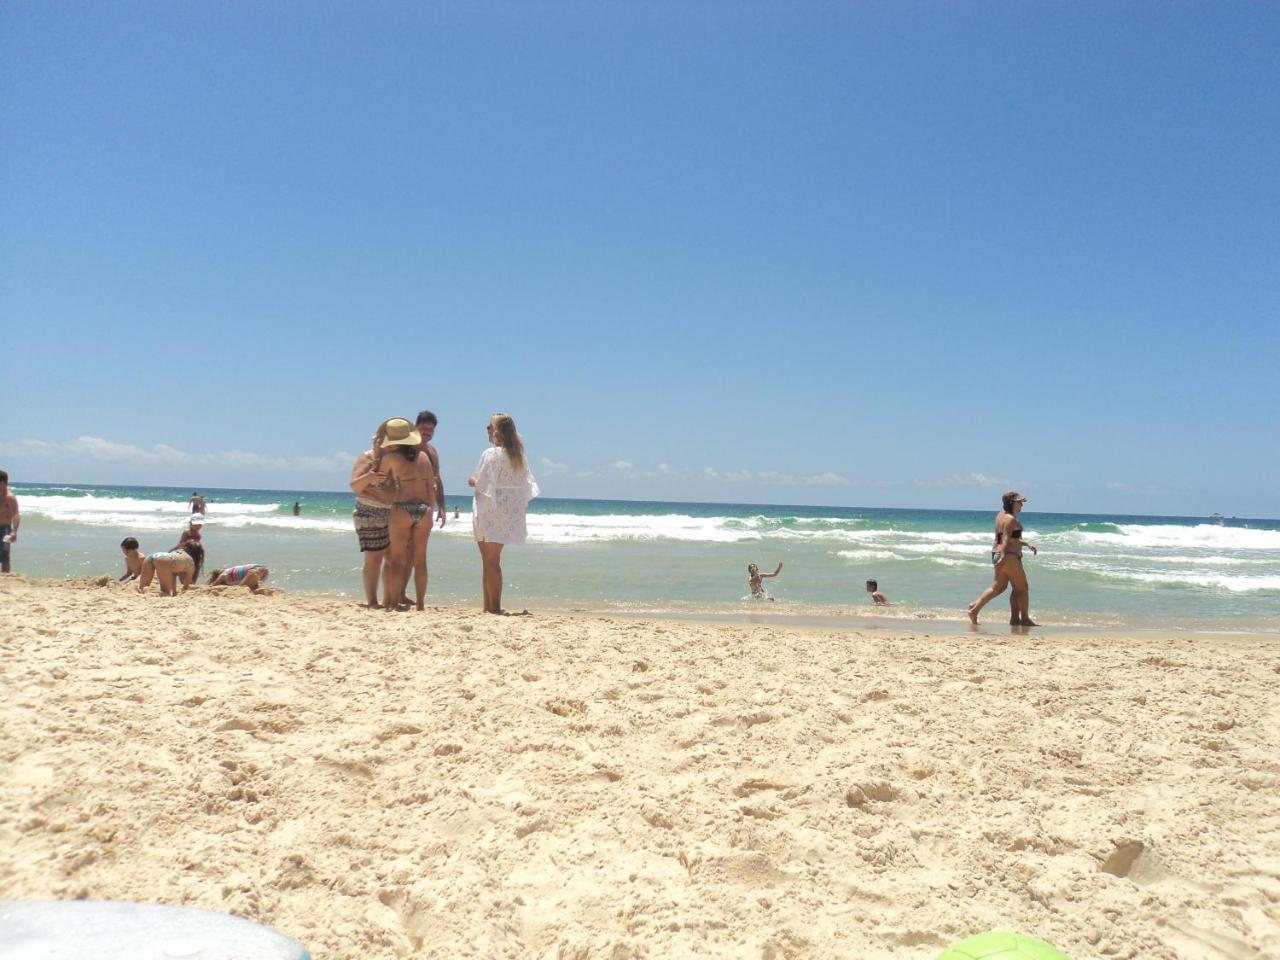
x=789, y=615
x=393, y=786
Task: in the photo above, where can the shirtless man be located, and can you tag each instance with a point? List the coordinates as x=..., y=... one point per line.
x=412, y=511
x=426, y=424
x=10, y=520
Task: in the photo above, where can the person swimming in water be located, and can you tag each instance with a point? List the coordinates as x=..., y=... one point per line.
x=755, y=581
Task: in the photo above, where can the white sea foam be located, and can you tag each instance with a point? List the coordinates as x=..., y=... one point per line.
x=868, y=555
x=142, y=514
x=1172, y=537
x=578, y=528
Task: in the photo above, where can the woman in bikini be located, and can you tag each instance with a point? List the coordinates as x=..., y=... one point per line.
x=1006, y=560
x=414, y=481
x=171, y=568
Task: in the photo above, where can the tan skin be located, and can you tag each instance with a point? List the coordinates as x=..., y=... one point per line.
x=170, y=572
x=254, y=580
x=427, y=430
x=1009, y=571
x=755, y=578
x=9, y=516
x=415, y=482
x=132, y=563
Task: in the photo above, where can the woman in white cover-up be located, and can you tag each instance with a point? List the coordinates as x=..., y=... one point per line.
x=503, y=488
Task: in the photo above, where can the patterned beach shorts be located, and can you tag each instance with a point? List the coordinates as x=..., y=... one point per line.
x=371, y=526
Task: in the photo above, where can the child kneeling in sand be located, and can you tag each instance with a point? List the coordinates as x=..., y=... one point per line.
x=251, y=575
x=171, y=568
x=873, y=588
x=133, y=560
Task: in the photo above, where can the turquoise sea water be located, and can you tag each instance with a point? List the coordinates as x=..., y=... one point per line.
x=690, y=558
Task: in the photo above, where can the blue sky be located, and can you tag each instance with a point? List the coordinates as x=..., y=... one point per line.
x=884, y=254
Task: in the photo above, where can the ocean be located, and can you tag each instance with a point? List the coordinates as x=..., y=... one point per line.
x=689, y=559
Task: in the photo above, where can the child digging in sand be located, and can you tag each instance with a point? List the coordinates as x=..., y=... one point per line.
x=132, y=559
x=251, y=575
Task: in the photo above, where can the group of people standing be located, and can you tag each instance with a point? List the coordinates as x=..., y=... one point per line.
x=400, y=499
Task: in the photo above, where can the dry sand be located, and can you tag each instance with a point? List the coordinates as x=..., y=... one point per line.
x=455, y=785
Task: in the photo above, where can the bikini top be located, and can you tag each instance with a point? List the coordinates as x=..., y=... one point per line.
x=1015, y=534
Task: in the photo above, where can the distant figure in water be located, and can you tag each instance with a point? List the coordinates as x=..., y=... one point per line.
x=197, y=502
x=755, y=580
x=297, y=509
x=455, y=513
x=873, y=588
x=1006, y=560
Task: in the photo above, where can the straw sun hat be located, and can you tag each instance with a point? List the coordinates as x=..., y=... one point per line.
x=397, y=432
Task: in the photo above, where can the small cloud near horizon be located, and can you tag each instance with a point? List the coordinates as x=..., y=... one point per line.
x=108, y=451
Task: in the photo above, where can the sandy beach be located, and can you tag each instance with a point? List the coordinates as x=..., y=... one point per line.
x=456, y=785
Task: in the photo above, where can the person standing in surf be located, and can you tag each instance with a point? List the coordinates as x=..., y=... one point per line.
x=503, y=488
x=1006, y=560
x=755, y=581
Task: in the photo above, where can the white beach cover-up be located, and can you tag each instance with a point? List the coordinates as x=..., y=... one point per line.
x=501, y=495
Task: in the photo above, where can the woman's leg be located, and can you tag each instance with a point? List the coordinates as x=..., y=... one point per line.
x=164, y=573
x=148, y=572
x=1020, y=602
x=997, y=587
x=372, y=570
x=400, y=530
x=420, y=532
x=491, y=557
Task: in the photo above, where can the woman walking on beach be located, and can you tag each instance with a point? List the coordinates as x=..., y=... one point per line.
x=1006, y=559
x=503, y=488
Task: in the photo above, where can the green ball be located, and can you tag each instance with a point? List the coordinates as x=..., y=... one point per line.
x=997, y=945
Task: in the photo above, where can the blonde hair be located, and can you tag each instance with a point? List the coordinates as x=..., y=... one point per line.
x=508, y=439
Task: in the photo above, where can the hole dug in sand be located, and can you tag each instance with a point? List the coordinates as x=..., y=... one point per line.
x=1135, y=861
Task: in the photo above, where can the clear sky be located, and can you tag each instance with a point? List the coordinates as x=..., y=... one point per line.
x=882, y=254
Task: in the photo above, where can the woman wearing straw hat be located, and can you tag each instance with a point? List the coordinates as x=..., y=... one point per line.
x=412, y=510
x=503, y=488
x=1006, y=560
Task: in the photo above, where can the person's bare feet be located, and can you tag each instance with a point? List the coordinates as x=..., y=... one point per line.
x=1028, y=623
x=973, y=614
